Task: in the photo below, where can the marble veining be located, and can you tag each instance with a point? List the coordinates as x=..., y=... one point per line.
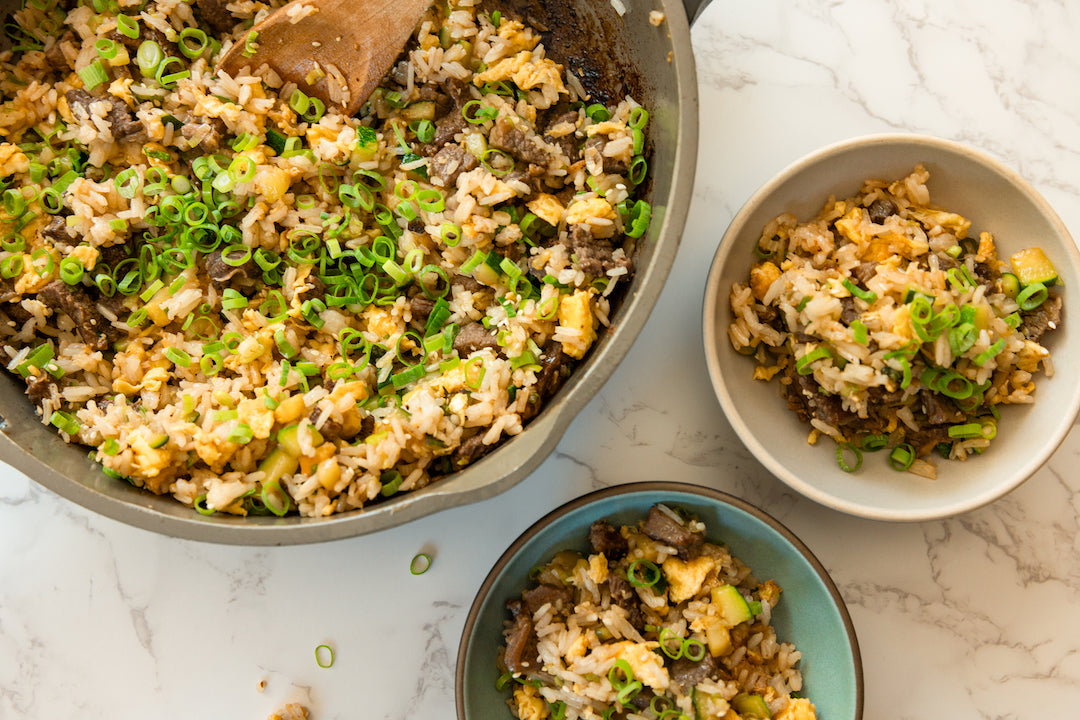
x=969, y=617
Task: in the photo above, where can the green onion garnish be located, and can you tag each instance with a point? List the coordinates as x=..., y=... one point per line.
x=1032, y=296
x=420, y=564
x=642, y=573
x=902, y=457
x=324, y=656
x=841, y=459
x=989, y=353
x=867, y=296
x=802, y=365
x=93, y=75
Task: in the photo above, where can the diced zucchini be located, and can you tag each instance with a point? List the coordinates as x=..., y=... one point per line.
x=717, y=636
x=290, y=443
x=278, y=464
x=423, y=110
x=1032, y=266
x=1009, y=284
x=159, y=441
x=751, y=706
x=733, y=607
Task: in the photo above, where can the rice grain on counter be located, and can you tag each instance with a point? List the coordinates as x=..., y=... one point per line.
x=889, y=326
x=242, y=298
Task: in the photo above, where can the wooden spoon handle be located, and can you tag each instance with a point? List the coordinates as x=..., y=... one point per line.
x=337, y=53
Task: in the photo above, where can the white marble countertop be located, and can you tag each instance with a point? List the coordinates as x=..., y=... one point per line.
x=971, y=617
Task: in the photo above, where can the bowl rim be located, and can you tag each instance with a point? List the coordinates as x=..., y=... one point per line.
x=711, y=328
x=634, y=488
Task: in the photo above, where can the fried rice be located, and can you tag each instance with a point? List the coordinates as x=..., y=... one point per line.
x=245, y=299
x=889, y=327
x=654, y=622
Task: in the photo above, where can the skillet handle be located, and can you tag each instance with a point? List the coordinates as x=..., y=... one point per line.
x=694, y=9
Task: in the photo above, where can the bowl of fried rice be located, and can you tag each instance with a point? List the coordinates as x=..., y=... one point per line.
x=882, y=322
x=658, y=600
x=231, y=311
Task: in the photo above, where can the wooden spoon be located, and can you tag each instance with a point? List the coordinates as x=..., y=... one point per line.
x=360, y=38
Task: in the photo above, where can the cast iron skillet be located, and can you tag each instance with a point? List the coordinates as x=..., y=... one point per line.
x=614, y=55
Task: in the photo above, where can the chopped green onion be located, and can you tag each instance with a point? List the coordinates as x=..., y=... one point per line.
x=148, y=57
x=324, y=659
x=841, y=459
x=802, y=365
x=642, y=573
x=93, y=75
x=274, y=489
x=106, y=48
x=420, y=564
x=193, y=42
x=867, y=296
x=477, y=112
x=201, y=507
x=597, y=113
x=902, y=457
x=1032, y=296
x=65, y=422
x=859, y=332
x=178, y=357
x=990, y=352
x=242, y=434
x=251, y=44
x=71, y=270
x=873, y=443
x=128, y=26
x=962, y=337
x=966, y=431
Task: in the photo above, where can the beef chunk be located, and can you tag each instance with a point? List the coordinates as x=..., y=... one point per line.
x=215, y=14
x=57, y=232
x=555, y=367
x=1043, y=318
x=16, y=314
x=939, y=410
x=594, y=150
x=316, y=288
x=927, y=438
x=55, y=56
x=420, y=308
x=448, y=163
x=541, y=595
x=223, y=274
x=473, y=337
x=805, y=398
x=521, y=655
x=469, y=451
x=566, y=143
x=330, y=430
x=624, y=595
x=39, y=387
x=509, y=137
x=880, y=210
x=606, y=539
x=74, y=302
x=688, y=673
x=210, y=131
x=126, y=127
x=864, y=272
x=849, y=311
x=663, y=528
x=594, y=256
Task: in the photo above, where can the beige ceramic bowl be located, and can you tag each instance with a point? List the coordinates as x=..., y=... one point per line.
x=995, y=199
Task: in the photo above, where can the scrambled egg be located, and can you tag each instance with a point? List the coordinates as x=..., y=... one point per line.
x=1030, y=356
x=257, y=416
x=575, y=311
x=380, y=321
x=12, y=159
x=598, y=568
x=581, y=211
x=798, y=709
x=950, y=221
x=685, y=578
x=547, y=207
x=148, y=461
x=530, y=706
x=762, y=277
x=525, y=71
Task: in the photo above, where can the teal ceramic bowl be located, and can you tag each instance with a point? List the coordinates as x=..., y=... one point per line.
x=811, y=613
